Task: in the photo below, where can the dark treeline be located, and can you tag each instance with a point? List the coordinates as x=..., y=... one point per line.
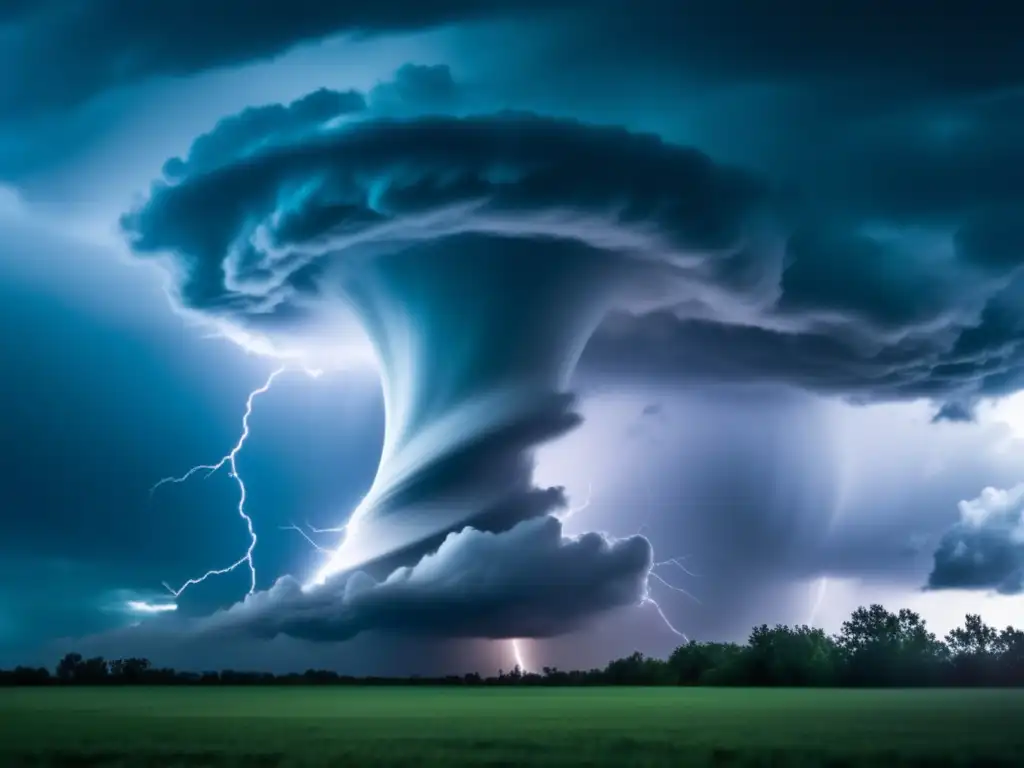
x=874, y=648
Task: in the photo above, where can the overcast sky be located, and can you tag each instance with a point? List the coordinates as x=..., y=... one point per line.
x=773, y=253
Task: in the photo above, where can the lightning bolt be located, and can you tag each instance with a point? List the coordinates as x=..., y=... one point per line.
x=517, y=654
x=144, y=606
x=314, y=530
x=517, y=651
x=229, y=460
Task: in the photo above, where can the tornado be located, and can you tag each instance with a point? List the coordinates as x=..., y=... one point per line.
x=477, y=256
x=476, y=338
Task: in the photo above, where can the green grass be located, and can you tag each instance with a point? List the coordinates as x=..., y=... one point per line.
x=512, y=727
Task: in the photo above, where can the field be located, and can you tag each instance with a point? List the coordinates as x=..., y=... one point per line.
x=512, y=727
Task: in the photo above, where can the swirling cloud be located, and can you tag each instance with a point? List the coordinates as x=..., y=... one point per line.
x=728, y=280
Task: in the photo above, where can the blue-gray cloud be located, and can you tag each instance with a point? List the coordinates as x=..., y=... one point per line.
x=985, y=549
x=529, y=581
x=75, y=50
x=418, y=87
x=748, y=286
x=519, y=175
x=955, y=412
x=258, y=128
x=919, y=47
x=67, y=51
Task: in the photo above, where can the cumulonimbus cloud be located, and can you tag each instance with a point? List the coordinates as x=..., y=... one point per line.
x=825, y=306
x=483, y=256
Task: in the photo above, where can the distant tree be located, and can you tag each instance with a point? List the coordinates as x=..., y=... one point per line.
x=874, y=647
x=707, y=664
x=1010, y=646
x=68, y=667
x=94, y=671
x=974, y=652
x=26, y=676
x=637, y=669
x=131, y=670
x=880, y=648
x=790, y=656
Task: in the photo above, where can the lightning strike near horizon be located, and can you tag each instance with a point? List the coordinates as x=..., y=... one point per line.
x=230, y=460
x=517, y=654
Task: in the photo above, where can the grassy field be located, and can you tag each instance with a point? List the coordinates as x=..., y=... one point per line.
x=513, y=727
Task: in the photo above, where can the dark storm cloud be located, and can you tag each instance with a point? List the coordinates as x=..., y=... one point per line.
x=947, y=44
x=234, y=137
x=413, y=87
x=904, y=117
x=993, y=239
x=74, y=49
x=528, y=581
x=955, y=412
x=67, y=51
x=517, y=172
x=417, y=86
x=985, y=550
x=495, y=465
x=834, y=306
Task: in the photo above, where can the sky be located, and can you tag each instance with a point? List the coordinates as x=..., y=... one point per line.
x=600, y=325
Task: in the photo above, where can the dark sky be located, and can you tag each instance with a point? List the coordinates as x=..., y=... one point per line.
x=734, y=280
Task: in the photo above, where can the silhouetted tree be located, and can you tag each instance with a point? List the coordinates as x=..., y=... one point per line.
x=785, y=656
x=874, y=647
x=637, y=669
x=974, y=652
x=707, y=664
x=67, y=668
x=1011, y=656
x=132, y=670
x=882, y=648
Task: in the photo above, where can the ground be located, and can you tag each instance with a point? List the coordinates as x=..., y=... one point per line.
x=511, y=727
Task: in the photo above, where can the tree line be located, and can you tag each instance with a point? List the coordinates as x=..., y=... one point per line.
x=873, y=648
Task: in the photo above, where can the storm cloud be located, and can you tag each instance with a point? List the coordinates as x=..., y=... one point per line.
x=985, y=549
x=71, y=51
x=480, y=257
x=720, y=276
x=528, y=581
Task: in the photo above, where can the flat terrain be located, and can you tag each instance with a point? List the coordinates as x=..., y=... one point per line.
x=512, y=727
